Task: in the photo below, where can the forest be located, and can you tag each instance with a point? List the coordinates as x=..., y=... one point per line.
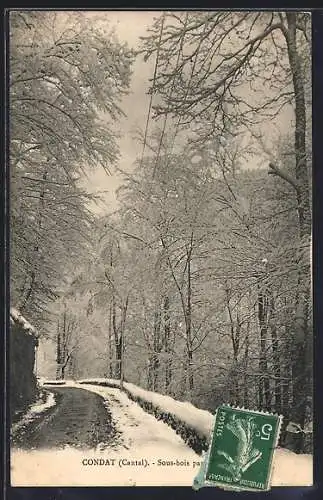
x=198, y=283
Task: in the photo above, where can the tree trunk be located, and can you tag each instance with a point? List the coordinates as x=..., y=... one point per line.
x=116, y=339
x=63, y=345
x=245, y=375
x=286, y=371
x=276, y=358
x=304, y=209
x=155, y=371
x=190, y=375
x=189, y=346
x=300, y=372
x=150, y=382
x=119, y=347
x=264, y=395
x=277, y=371
x=154, y=361
x=122, y=333
x=168, y=347
x=119, y=338
x=58, y=353
x=110, y=365
x=235, y=340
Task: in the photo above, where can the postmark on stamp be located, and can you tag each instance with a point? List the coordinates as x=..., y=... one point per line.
x=241, y=451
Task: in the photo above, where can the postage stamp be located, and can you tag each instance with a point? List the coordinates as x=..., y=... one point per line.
x=241, y=451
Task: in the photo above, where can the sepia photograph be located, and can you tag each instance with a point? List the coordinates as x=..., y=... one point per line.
x=160, y=167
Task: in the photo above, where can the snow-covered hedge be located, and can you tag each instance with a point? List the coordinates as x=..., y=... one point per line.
x=105, y=382
x=192, y=424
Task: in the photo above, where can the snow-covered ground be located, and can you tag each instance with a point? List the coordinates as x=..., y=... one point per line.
x=147, y=452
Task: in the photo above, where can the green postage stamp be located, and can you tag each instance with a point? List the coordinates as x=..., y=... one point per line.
x=241, y=451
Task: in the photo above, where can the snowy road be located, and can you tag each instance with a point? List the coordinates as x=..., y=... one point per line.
x=79, y=419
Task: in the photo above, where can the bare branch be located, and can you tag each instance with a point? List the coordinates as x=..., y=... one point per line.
x=274, y=170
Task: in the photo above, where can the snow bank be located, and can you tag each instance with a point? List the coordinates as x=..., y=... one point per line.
x=34, y=411
x=191, y=423
x=199, y=420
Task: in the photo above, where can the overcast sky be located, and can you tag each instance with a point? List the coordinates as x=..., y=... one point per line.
x=130, y=25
